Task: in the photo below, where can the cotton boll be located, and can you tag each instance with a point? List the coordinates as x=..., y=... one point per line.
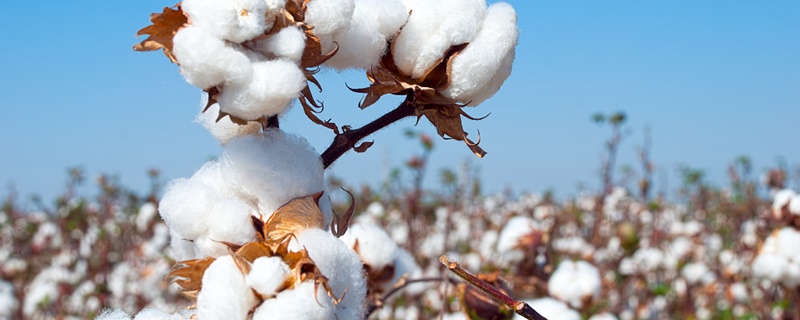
x=432, y=28
x=363, y=43
x=235, y=21
x=113, y=314
x=483, y=66
x=225, y=294
x=769, y=266
x=794, y=205
x=375, y=247
x=514, y=229
x=230, y=221
x=206, y=61
x=224, y=130
x=781, y=199
x=267, y=275
x=274, y=84
x=184, y=206
x=341, y=266
x=697, y=272
x=272, y=169
x=329, y=16
x=288, y=44
x=574, y=282
x=299, y=303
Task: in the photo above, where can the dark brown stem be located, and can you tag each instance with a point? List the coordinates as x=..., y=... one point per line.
x=272, y=122
x=520, y=307
x=348, y=139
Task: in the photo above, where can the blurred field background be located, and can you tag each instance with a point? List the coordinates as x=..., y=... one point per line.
x=672, y=203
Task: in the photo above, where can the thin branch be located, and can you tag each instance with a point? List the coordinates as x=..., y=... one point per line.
x=348, y=139
x=520, y=307
x=402, y=284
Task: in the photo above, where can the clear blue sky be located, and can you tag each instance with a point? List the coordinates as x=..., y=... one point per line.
x=713, y=79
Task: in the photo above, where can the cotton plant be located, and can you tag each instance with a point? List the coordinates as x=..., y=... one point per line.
x=253, y=231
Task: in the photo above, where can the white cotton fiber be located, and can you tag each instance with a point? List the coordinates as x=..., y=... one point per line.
x=288, y=44
x=516, y=228
x=483, y=66
x=362, y=44
x=329, y=16
x=778, y=260
x=574, y=281
x=224, y=295
x=272, y=169
x=185, y=205
x=267, y=275
x=206, y=61
x=274, y=84
x=432, y=28
x=298, y=303
x=230, y=221
x=181, y=249
x=235, y=20
x=341, y=266
x=156, y=314
x=224, y=130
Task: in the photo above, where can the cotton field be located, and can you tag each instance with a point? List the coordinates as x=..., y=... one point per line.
x=612, y=258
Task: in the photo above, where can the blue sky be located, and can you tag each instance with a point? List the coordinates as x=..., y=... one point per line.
x=712, y=79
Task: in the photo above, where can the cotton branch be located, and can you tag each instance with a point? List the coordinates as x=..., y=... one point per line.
x=348, y=139
x=521, y=308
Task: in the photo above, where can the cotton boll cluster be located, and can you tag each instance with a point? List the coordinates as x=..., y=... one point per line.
x=786, y=203
x=778, y=260
x=575, y=282
x=255, y=175
x=230, y=47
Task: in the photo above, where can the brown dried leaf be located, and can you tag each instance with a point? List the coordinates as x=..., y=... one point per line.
x=312, y=54
x=189, y=276
x=294, y=217
x=361, y=148
x=160, y=33
x=438, y=76
x=341, y=222
x=447, y=120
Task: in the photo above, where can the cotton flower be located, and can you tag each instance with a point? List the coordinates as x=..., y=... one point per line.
x=575, y=282
x=235, y=21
